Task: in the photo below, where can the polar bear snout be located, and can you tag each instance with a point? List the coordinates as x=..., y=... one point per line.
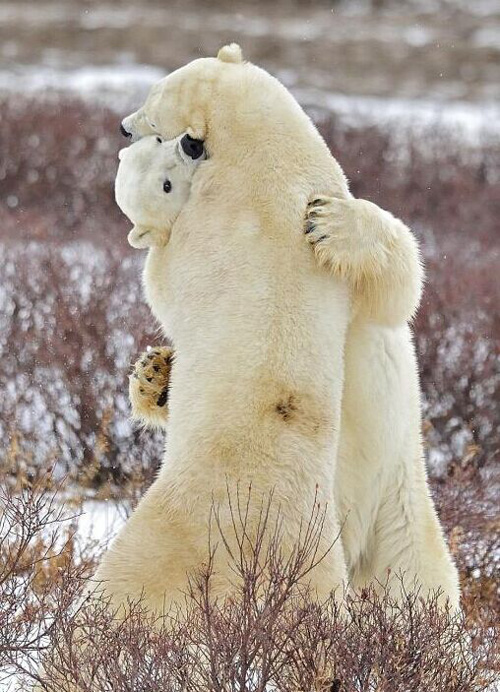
x=135, y=126
x=194, y=148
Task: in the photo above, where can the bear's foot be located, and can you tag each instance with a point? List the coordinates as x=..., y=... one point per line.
x=148, y=386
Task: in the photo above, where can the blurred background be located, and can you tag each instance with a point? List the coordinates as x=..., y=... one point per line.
x=407, y=97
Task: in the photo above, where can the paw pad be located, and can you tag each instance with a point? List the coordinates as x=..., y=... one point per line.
x=149, y=385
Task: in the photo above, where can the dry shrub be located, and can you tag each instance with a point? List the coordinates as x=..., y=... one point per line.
x=67, y=347
x=469, y=510
x=71, y=322
x=269, y=635
x=72, y=317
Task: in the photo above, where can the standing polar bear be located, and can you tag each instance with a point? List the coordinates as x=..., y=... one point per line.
x=263, y=333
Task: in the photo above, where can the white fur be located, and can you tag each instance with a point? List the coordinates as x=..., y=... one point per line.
x=250, y=315
x=257, y=322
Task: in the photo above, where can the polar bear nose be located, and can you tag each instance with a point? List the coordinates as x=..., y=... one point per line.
x=192, y=147
x=124, y=132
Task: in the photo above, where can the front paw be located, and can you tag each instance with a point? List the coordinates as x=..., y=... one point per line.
x=337, y=230
x=149, y=386
x=329, y=220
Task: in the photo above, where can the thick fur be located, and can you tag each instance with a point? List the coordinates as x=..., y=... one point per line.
x=259, y=327
x=257, y=382
x=391, y=535
x=373, y=251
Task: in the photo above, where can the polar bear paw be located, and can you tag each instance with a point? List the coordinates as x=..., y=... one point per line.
x=149, y=387
x=336, y=228
x=371, y=250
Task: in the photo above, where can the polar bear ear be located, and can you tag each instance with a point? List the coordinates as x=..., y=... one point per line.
x=230, y=53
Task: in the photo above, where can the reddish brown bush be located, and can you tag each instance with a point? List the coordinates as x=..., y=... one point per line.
x=72, y=317
x=269, y=635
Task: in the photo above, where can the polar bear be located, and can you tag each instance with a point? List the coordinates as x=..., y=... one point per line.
x=254, y=396
x=259, y=329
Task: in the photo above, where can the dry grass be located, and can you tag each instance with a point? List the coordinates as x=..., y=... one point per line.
x=269, y=635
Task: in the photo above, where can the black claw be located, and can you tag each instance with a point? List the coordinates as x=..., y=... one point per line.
x=141, y=391
x=309, y=227
x=156, y=368
x=150, y=356
x=314, y=202
x=162, y=399
x=323, y=237
x=144, y=363
x=149, y=379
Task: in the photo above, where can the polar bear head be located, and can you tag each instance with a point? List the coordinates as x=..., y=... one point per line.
x=153, y=183
x=248, y=121
x=183, y=101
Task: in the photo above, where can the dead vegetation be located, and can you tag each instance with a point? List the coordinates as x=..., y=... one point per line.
x=269, y=635
x=71, y=323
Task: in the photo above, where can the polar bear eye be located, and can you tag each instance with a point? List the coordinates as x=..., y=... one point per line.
x=167, y=186
x=159, y=140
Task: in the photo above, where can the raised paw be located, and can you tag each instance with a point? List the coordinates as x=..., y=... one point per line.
x=375, y=253
x=343, y=233
x=149, y=386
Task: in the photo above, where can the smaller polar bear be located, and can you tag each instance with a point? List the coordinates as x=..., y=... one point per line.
x=153, y=183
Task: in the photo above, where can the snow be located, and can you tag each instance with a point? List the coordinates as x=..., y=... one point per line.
x=109, y=84
x=100, y=521
x=487, y=37
x=471, y=119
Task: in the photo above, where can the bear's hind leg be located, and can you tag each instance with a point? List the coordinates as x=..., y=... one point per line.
x=408, y=549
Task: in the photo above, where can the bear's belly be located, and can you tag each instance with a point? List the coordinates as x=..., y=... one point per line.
x=257, y=381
